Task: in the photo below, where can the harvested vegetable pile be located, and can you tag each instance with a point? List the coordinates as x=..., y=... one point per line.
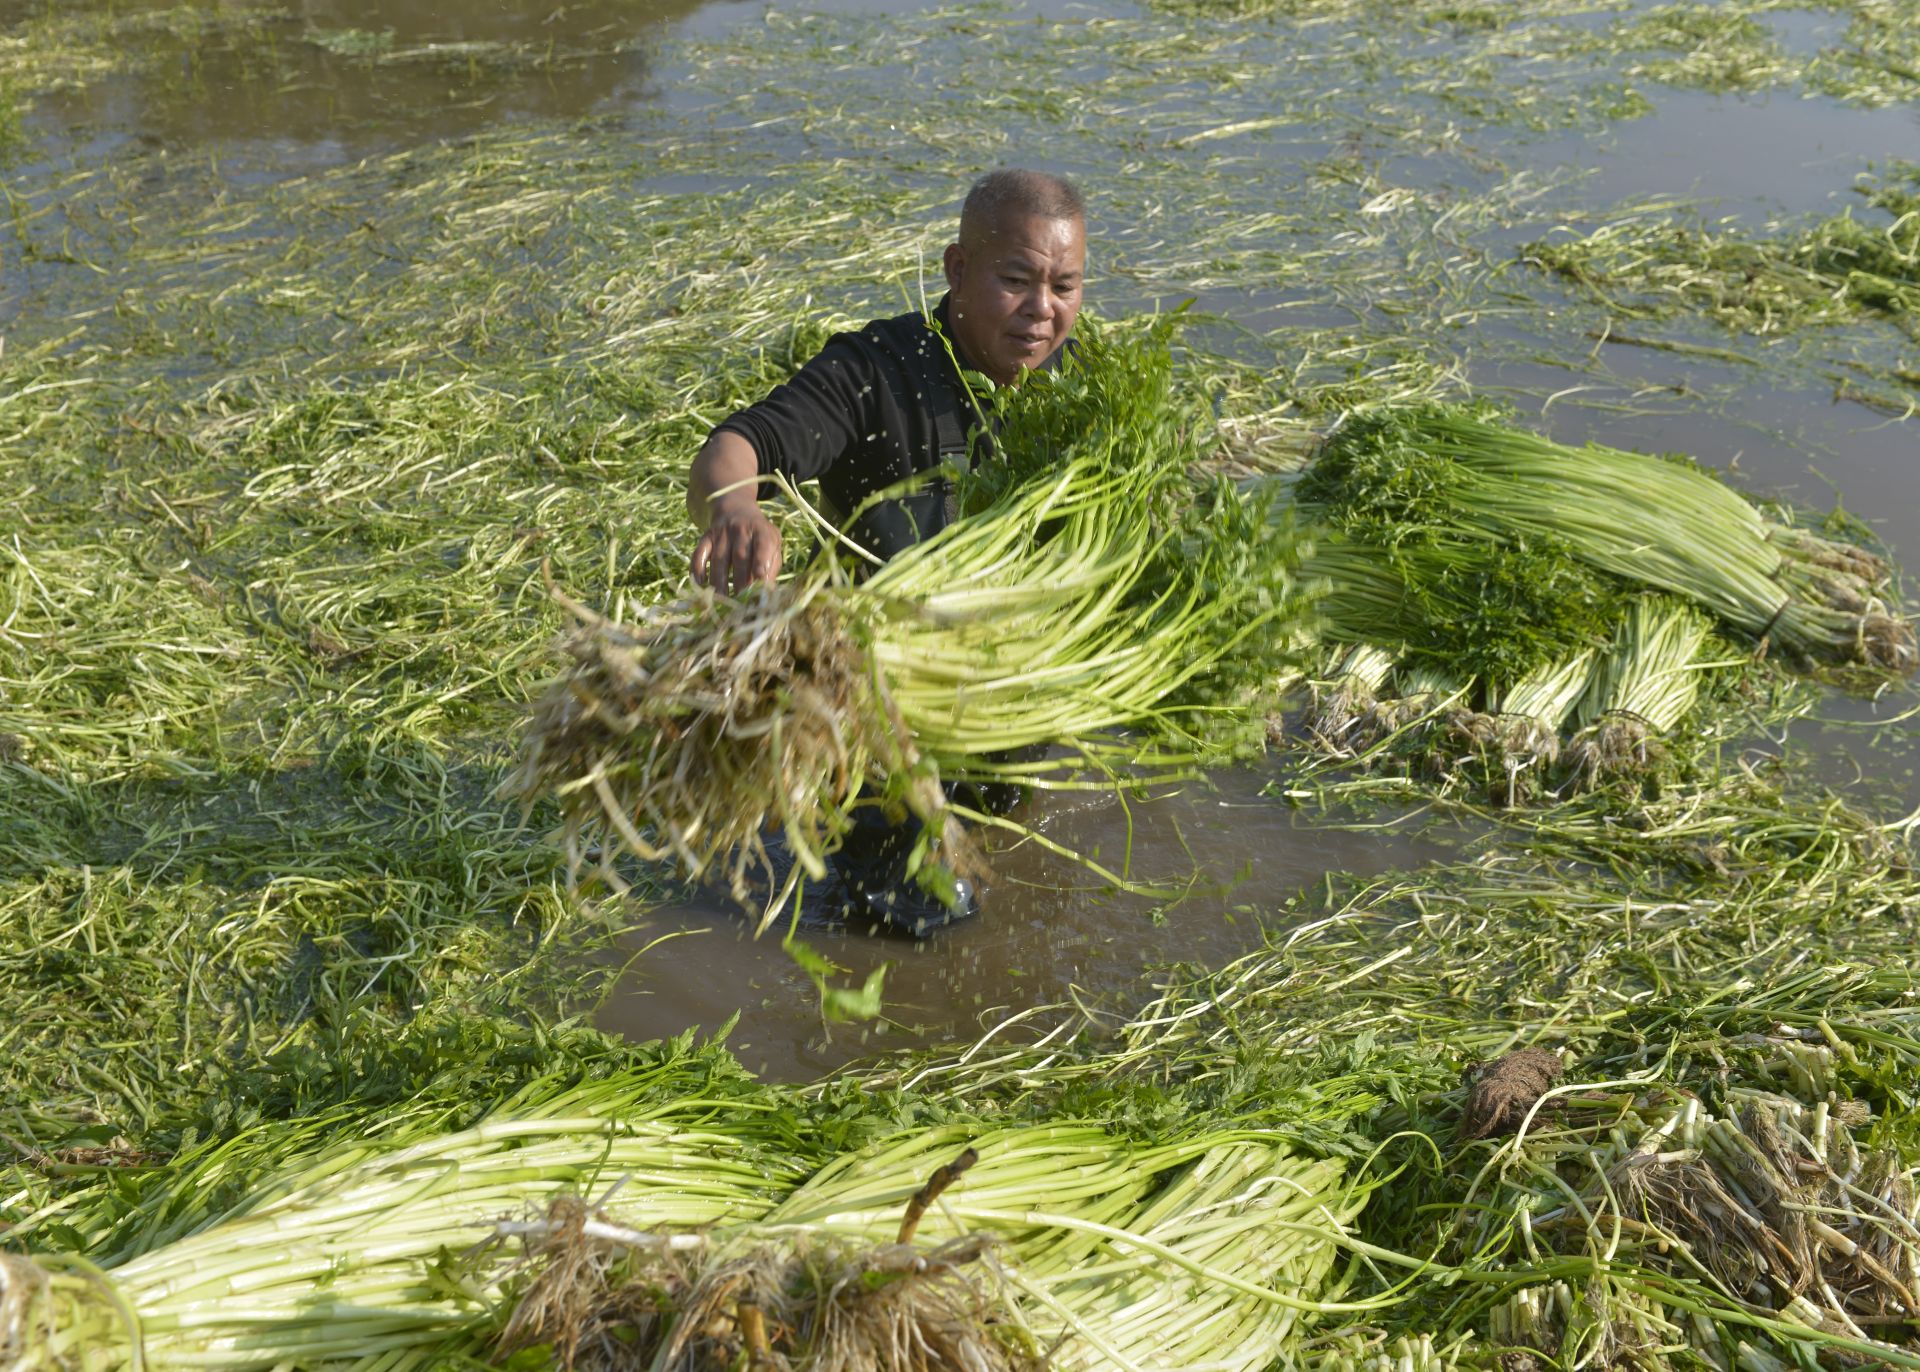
x=376, y=1212
x=1680, y=1144
x=1094, y=586
x=1048, y=1246
x=1491, y=598
x=642, y=1216
x=1713, y=1231
x=1598, y=715
x=1443, y=492
x=1491, y=593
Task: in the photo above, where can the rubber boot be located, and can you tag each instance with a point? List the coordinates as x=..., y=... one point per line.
x=872, y=863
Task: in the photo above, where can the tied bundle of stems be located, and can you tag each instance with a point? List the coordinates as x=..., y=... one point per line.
x=1468, y=606
x=1644, y=685
x=1600, y=715
x=1095, y=585
x=1056, y=1245
x=1521, y=727
x=1435, y=476
x=605, y=1226
x=341, y=1252
x=1348, y=699
x=1418, y=695
x=1206, y=1249
x=1651, y=1224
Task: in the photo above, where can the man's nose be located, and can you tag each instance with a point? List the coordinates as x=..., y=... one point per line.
x=1040, y=302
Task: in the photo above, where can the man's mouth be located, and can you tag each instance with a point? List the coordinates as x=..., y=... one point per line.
x=1029, y=342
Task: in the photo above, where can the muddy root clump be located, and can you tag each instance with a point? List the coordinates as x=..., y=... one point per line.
x=819, y=1307
x=1344, y=723
x=1621, y=744
x=1783, y=1205
x=606, y=1300
x=693, y=733
x=595, y=1293
x=1887, y=643
x=1501, y=1092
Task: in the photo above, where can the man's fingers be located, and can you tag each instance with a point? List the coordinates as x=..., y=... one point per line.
x=741, y=567
x=756, y=556
x=730, y=557
x=766, y=556
x=713, y=558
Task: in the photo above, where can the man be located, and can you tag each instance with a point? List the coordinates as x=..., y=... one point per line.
x=875, y=407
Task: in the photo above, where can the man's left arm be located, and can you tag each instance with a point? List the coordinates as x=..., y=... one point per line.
x=803, y=427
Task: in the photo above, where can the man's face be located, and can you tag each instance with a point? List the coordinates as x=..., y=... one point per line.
x=1016, y=292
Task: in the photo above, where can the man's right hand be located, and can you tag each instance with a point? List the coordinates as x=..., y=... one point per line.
x=740, y=547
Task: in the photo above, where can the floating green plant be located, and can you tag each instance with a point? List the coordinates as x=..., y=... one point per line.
x=1837, y=269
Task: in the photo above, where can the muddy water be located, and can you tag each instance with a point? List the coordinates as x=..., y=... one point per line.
x=1749, y=158
x=1228, y=856
x=326, y=81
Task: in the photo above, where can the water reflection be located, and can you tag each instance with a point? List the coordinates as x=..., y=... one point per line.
x=355, y=75
x=1750, y=156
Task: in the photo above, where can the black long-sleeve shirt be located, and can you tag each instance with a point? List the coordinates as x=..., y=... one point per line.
x=872, y=407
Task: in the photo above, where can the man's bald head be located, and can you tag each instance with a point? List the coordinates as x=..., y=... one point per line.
x=1013, y=193
x=1014, y=276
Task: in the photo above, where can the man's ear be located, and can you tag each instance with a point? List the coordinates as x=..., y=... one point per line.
x=955, y=261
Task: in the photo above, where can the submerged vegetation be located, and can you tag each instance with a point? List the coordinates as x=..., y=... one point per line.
x=1839, y=268
x=294, y=434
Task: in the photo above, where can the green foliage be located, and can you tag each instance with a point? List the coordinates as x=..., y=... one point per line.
x=1477, y=607
x=1498, y=613
x=387, y=1085
x=1115, y=395
x=360, y=43
x=1220, y=554
x=1377, y=478
x=1615, y=520
x=1662, y=958
x=1122, y=394
x=838, y=1004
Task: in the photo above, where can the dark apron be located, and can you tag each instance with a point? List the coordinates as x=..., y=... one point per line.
x=888, y=528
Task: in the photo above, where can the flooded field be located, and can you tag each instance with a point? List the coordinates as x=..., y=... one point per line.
x=338, y=337
x=328, y=326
